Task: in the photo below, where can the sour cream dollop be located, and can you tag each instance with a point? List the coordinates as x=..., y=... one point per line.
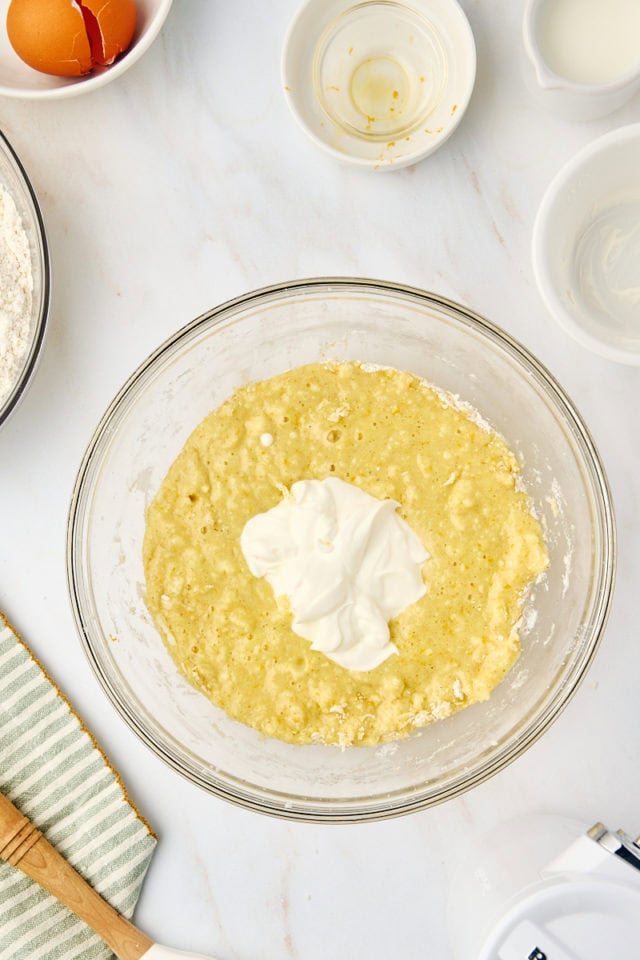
x=347, y=562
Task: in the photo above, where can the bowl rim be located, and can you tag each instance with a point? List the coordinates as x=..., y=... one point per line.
x=539, y=247
x=366, y=163
x=384, y=806
x=90, y=81
x=42, y=320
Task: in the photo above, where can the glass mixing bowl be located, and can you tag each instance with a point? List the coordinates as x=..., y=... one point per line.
x=16, y=182
x=263, y=334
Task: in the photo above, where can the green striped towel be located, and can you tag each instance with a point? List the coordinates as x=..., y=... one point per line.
x=52, y=769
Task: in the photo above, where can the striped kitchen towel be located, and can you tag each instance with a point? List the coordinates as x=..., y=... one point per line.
x=52, y=769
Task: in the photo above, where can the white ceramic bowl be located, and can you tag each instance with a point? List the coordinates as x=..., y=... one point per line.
x=564, y=97
x=380, y=84
x=586, y=246
x=19, y=80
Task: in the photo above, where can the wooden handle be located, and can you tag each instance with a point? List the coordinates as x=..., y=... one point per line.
x=23, y=846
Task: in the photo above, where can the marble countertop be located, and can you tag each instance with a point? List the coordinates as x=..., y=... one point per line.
x=179, y=185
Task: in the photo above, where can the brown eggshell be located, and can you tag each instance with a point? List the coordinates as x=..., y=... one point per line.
x=110, y=26
x=50, y=35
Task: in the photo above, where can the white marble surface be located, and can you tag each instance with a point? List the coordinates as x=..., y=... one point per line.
x=181, y=184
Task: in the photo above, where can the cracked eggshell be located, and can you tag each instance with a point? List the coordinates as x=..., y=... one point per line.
x=50, y=36
x=67, y=38
x=110, y=26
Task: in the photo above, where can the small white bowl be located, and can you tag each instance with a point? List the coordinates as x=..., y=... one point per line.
x=379, y=84
x=17, y=79
x=564, y=97
x=586, y=246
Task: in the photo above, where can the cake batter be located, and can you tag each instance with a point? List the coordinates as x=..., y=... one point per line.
x=395, y=437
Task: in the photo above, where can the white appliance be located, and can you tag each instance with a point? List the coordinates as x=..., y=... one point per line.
x=530, y=892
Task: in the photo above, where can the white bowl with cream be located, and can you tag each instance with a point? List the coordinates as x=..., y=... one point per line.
x=586, y=246
x=582, y=56
x=380, y=84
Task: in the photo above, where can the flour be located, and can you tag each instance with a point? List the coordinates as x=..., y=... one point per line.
x=16, y=289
